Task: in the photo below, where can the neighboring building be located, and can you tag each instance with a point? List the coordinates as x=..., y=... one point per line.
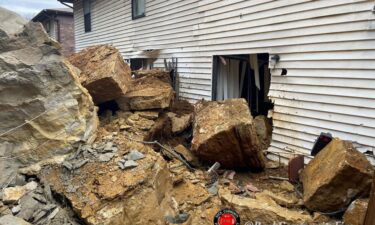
x=59, y=24
x=312, y=60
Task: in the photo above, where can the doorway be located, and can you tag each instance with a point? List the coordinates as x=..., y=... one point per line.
x=243, y=76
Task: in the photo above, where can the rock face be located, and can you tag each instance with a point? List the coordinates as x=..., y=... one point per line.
x=44, y=109
x=151, y=90
x=224, y=132
x=11, y=23
x=103, y=72
x=356, y=213
x=336, y=175
x=262, y=210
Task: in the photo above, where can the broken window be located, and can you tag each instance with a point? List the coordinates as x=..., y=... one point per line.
x=87, y=15
x=138, y=8
x=243, y=76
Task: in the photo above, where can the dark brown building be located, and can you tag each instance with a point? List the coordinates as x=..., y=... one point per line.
x=59, y=24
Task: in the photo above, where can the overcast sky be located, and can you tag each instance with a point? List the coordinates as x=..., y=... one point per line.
x=29, y=8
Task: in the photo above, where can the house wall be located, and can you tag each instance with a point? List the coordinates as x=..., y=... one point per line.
x=327, y=47
x=67, y=39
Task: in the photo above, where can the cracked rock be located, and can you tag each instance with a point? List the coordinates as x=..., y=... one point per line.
x=134, y=155
x=130, y=164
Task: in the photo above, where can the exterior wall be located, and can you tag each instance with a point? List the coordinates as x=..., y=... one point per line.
x=327, y=47
x=67, y=41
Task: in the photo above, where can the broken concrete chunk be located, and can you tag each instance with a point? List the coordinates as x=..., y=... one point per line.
x=150, y=91
x=103, y=72
x=356, y=212
x=336, y=175
x=262, y=210
x=12, y=220
x=224, y=132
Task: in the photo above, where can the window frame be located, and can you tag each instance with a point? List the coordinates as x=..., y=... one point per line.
x=87, y=17
x=133, y=5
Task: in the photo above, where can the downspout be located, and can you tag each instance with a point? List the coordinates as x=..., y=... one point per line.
x=58, y=30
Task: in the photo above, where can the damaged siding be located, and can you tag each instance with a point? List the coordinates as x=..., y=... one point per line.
x=327, y=47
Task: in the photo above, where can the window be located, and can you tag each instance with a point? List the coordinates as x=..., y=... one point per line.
x=87, y=14
x=138, y=8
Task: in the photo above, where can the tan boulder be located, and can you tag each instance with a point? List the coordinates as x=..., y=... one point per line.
x=44, y=108
x=150, y=90
x=356, y=213
x=180, y=123
x=336, y=175
x=262, y=210
x=187, y=154
x=103, y=72
x=13, y=194
x=224, y=132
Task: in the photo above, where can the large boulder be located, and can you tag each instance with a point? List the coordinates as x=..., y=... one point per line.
x=338, y=174
x=44, y=109
x=150, y=89
x=224, y=132
x=103, y=72
x=262, y=209
x=11, y=23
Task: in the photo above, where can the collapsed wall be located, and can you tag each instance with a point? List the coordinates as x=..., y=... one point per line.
x=44, y=108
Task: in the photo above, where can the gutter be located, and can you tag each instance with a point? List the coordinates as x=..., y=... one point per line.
x=62, y=2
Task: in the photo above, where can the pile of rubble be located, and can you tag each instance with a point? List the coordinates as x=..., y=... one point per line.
x=152, y=158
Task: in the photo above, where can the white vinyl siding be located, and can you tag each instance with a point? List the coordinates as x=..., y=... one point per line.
x=327, y=47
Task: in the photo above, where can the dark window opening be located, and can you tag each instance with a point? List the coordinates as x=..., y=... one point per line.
x=141, y=64
x=243, y=76
x=138, y=9
x=87, y=15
